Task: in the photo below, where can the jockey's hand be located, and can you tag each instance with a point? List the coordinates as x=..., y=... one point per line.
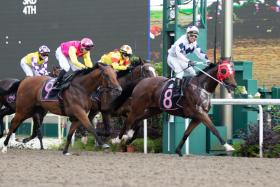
x=191, y=63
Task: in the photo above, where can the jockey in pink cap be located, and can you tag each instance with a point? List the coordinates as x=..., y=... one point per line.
x=68, y=53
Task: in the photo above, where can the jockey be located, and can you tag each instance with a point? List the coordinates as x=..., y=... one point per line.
x=177, y=55
x=118, y=59
x=36, y=63
x=67, y=55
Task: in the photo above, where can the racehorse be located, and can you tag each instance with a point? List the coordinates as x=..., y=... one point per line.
x=75, y=100
x=8, y=90
x=128, y=79
x=195, y=102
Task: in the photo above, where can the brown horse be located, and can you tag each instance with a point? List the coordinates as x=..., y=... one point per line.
x=195, y=102
x=128, y=79
x=8, y=90
x=76, y=99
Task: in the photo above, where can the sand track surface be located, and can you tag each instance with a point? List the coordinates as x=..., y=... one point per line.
x=51, y=168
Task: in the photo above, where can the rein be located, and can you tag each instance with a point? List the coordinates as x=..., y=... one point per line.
x=210, y=76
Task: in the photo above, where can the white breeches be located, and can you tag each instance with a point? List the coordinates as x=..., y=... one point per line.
x=64, y=62
x=27, y=69
x=180, y=67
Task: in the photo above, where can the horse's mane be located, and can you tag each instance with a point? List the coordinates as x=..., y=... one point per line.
x=123, y=73
x=87, y=70
x=212, y=65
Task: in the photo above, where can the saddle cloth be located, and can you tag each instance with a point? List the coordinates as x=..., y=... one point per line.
x=48, y=93
x=167, y=99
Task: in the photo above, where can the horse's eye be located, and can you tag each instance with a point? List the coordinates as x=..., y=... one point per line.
x=223, y=71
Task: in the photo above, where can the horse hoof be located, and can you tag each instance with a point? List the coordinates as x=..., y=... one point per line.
x=105, y=146
x=116, y=140
x=179, y=153
x=228, y=147
x=4, y=149
x=125, y=137
x=67, y=154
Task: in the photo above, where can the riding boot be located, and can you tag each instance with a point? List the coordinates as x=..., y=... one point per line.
x=177, y=87
x=59, y=79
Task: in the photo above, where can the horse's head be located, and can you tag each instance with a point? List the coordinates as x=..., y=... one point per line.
x=110, y=87
x=144, y=69
x=225, y=74
x=109, y=81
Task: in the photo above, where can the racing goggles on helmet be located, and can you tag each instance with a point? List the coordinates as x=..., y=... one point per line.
x=88, y=47
x=126, y=55
x=44, y=54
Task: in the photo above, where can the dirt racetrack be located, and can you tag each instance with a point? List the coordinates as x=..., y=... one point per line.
x=51, y=168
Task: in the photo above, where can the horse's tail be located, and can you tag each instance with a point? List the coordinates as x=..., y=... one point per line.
x=120, y=100
x=11, y=89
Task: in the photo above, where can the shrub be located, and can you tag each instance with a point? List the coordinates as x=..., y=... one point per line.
x=154, y=146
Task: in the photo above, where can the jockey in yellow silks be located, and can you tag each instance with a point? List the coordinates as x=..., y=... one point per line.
x=36, y=63
x=118, y=59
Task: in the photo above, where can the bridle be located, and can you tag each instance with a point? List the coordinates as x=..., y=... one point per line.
x=108, y=88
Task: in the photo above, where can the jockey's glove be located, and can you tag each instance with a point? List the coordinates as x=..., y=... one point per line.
x=191, y=63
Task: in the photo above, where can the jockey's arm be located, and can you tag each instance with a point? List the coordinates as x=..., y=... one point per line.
x=118, y=67
x=44, y=67
x=39, y=69
x=87, y=60
x=74, y=59
x=201, y=55
x=180, y=54
x=117, y=62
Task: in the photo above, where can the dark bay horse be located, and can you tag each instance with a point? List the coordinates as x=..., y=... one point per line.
x=128, y=79
x=195, y=102
x=8, y=90
x=76, y=99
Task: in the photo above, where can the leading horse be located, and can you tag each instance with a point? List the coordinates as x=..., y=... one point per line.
x=195, y=102
x=75, y=102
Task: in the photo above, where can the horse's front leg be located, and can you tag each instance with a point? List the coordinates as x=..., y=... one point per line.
x=192, y=125
x=209, y=124
x=72, y=129
x=106, y=121
x=81, y=115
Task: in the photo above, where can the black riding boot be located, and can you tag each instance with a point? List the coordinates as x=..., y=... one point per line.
x=59, y=79
x=177, y=87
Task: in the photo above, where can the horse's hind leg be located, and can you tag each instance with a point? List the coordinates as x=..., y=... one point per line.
x=209, y=124
x=36, y=131
x=191, y=126
x=16, y=121
x=3, y=113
